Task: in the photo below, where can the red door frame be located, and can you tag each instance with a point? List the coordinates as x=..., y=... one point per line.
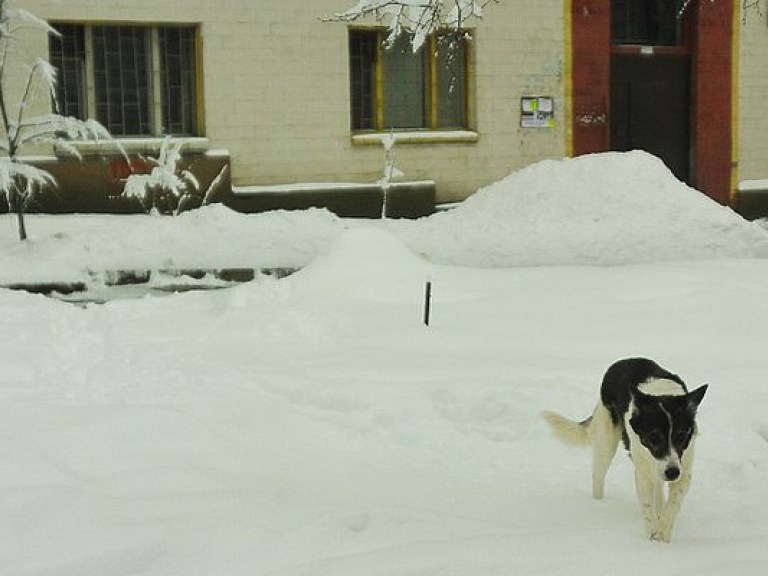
x=711, y=88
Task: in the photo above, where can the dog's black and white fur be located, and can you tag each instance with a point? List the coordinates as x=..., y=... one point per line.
x=651, y=409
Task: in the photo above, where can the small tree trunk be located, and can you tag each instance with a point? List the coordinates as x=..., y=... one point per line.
x=20, y=218
x=16, y=204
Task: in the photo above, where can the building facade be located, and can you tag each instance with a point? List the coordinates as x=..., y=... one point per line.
x=287, y=97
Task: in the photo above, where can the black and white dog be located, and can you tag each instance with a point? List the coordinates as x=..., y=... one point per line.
x=652, y=411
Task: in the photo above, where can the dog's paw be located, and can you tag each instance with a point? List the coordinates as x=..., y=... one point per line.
x=658, y=531
x=661, y=536
x=663, y=529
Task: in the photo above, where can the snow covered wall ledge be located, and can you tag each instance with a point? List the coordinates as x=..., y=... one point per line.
x=95, y=183
x=412, y=199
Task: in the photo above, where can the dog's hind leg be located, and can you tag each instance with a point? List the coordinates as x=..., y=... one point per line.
x=604, y=436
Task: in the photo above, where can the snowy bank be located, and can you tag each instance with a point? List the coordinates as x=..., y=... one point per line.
x=314, y=426
x=608, y=208
x=66, y=247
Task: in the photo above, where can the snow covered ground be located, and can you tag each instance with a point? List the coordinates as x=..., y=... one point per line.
x=313, y=425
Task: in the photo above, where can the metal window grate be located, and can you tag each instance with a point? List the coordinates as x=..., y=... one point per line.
x=68, y=56
x=179, y=80
x=121, y=79
x=135, y=80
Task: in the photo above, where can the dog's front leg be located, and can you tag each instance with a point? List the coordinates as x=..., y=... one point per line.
x=677, y=492
x=649, y=494
x=671, y=507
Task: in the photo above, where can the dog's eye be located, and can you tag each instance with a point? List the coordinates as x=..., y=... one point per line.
x=682, y=435
x=654, y=439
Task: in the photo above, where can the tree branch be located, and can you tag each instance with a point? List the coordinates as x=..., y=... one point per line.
x=418, y=18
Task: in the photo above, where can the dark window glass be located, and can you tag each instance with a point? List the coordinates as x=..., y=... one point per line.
x=451, y=65
x=647, y=22
x=397, y=88
x=405, y=86
x=363, y=47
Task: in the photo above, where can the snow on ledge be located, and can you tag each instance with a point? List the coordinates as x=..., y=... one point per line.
x=298, y=187
x=139, y=145
x=418, y=136
x=753, y=185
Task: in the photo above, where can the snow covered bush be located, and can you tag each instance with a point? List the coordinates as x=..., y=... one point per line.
x=417, y=18
x=166, y=188
x=20, y=182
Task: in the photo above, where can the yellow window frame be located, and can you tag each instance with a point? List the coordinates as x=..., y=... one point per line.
x=431, y=45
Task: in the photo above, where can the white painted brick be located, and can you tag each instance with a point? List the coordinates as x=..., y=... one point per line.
x=276, y=89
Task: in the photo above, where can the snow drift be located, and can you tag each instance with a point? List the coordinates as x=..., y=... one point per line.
x=367, y=262
x=313, y=425
x=600, y=209
x=608, y=208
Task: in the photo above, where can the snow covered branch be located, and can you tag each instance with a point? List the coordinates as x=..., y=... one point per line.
x=165, y=187
x=417, y=18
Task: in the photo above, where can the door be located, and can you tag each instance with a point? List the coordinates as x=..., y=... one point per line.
x=612, y=37
x=650, y=108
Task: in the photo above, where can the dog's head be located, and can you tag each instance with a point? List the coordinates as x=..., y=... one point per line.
x=665, y=426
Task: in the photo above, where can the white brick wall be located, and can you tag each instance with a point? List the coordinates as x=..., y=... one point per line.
x=752, y=153
x=276, y=89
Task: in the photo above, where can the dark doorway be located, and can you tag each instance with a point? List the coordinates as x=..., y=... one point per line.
x=609, y=38
x=651, y=106
x=650, y=103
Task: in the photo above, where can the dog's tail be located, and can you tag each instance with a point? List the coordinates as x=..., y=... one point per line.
x=568, y=431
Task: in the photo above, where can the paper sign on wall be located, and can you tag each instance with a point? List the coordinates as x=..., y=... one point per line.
x=537, y=112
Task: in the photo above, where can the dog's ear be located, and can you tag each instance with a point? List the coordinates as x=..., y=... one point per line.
x=695, y=397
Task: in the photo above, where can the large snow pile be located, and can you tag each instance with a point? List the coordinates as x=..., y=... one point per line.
x=605, y=208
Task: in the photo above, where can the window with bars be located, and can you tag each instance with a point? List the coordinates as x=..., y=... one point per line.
x=397, y=88
x=135, y=80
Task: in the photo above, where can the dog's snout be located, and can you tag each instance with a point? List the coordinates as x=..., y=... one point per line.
x=672, y=473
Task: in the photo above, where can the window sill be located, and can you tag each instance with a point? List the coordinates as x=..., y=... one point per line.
x=137, y=145
x=418, y=137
